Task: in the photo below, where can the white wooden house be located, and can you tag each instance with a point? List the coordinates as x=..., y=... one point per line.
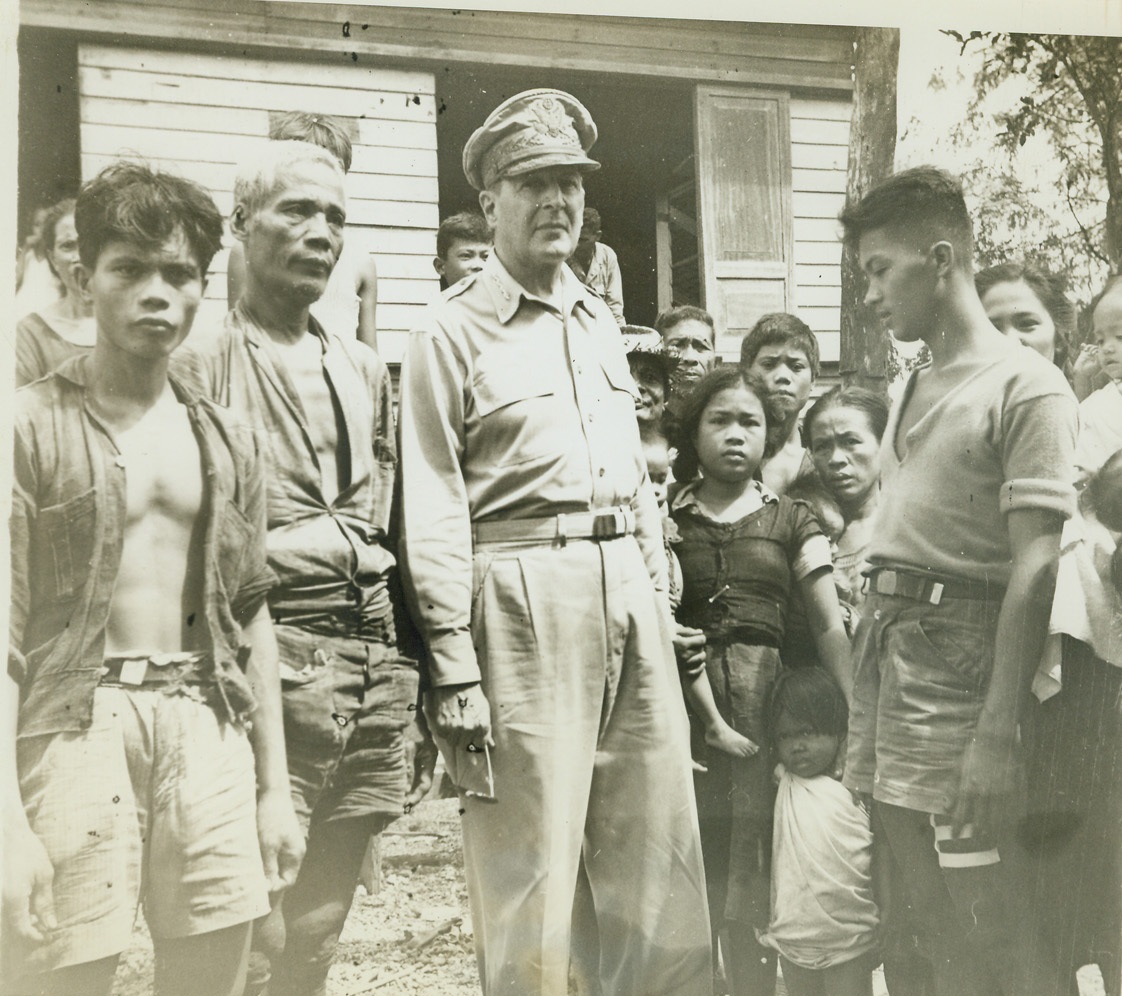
x=723, y=143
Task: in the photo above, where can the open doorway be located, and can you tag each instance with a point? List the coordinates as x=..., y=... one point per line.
x=646, y=146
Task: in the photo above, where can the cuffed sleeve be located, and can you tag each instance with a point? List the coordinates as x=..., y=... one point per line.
x=1039, y=455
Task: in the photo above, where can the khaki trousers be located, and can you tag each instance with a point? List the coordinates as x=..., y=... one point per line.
x=591, y=766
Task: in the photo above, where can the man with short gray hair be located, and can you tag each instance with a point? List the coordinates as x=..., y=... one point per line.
x=533, y=555
x=322, y=405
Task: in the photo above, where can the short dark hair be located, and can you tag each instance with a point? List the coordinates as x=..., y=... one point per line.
x=591, y=215
x=720, y=378
x=924, y=201
x=684, y=313
x=466, y=226
x=780, y=328
x=129, y=201
x=812, y=696
x=54, y=214
x=318, y=129
x=1050, y=292
x=873, y=405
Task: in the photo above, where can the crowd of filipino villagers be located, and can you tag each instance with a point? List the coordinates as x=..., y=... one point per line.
x=721, y=684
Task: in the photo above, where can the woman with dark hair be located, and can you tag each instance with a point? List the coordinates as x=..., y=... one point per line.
x=843, y=431
x=1022, y=299
x=46, y=337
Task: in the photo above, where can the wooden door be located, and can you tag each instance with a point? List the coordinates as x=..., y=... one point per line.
x=744, y=196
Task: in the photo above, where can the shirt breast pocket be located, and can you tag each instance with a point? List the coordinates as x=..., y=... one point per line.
x=520, y=415
x=624, y=394
x=64, y=545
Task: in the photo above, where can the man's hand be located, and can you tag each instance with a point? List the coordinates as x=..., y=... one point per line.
x=985, y=788
x=28, y=902
x=459, y=715
x=689, y=648
x=280, y=837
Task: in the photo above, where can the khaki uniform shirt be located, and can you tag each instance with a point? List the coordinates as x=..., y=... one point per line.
x=510, y=408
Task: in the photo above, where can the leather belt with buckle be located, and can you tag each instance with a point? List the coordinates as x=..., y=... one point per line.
x=154, y=669
x=929, y=588
x=597, y=525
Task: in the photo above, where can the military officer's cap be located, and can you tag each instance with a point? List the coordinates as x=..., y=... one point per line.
x=531, y=130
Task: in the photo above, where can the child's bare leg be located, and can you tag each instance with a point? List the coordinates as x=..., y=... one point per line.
x=718, y=734
x=211, y=964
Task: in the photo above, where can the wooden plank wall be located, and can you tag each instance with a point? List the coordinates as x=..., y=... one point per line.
x=202, y=115
x=819, y=150
x=806, y=56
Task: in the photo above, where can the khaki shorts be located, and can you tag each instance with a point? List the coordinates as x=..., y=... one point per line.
x=155, y=801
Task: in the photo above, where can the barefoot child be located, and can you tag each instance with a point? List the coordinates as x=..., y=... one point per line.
x=741, y=550
x=718, y=734
x=823, y=916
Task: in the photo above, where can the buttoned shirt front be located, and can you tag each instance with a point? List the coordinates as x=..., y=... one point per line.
x=511, y=408
x=69, y=511
x=330, y=557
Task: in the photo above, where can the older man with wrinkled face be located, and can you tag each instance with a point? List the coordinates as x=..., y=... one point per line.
x=323, y=403
x=533, y=557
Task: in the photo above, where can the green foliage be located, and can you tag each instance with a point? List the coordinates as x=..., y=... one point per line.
x=1047, y=179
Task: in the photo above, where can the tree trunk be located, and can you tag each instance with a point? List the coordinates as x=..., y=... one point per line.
x=872, y=148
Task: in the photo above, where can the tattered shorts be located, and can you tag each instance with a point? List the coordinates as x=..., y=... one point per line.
x=346, y=705
x=156, y=800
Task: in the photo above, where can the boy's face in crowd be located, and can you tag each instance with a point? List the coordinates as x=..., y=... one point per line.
x=1107, y=330
x=144, y=299
x=691, y=344
x=462, y=259
x=901, y=283
x=801, y=750
x=537, y=216
x=293, y=239
x=731, y=435
x=657, y=456
x=785, y=372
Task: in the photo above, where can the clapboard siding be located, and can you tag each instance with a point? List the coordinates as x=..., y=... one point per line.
x=202, y=115
x=806, y=57
x=819, y=151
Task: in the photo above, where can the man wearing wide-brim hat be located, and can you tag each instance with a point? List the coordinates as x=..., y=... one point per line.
x=533, y=558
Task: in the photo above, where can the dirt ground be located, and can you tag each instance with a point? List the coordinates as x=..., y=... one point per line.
x=387, y=947
x=413, y=938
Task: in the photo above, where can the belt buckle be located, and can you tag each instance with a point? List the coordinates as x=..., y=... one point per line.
x=134, y=671
x=608, y=525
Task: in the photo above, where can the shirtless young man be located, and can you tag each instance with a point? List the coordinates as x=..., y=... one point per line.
x=323, y=401
x=975, y=470
x=781, y=352
x=143, y=754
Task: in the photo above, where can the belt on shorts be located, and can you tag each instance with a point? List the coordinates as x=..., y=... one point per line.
x=929, y=588
x=599, y=524
x=131, y=671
